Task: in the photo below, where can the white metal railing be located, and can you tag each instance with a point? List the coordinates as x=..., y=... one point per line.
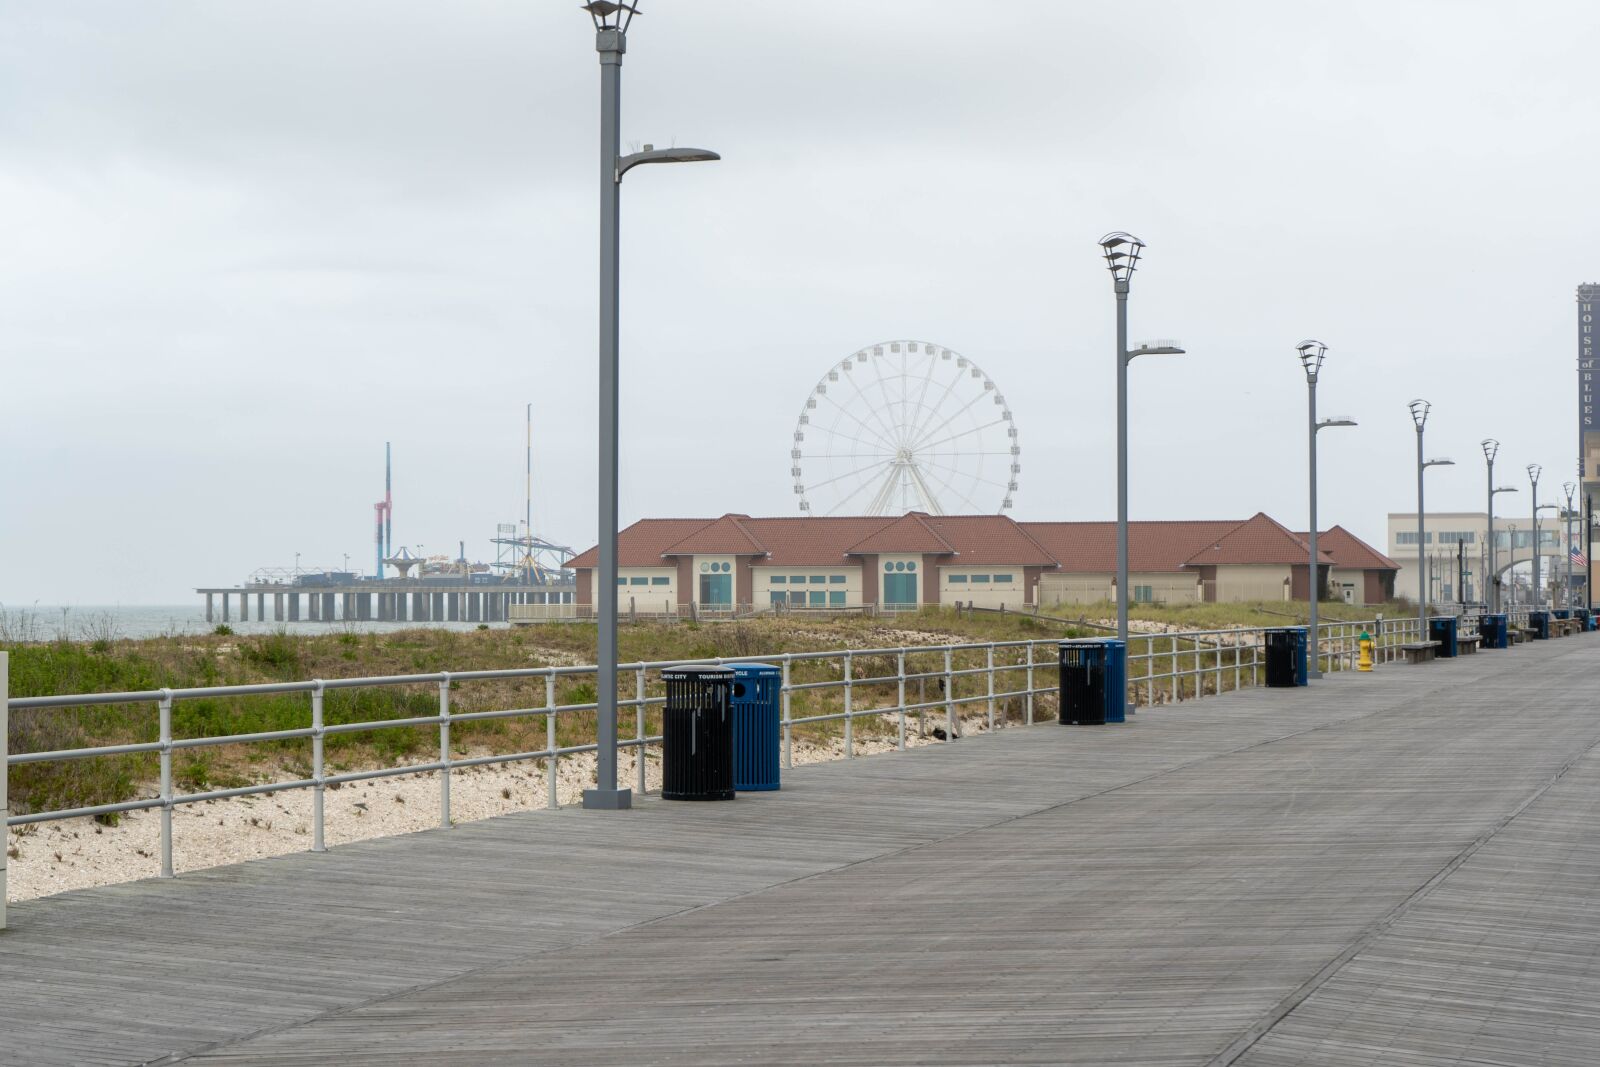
x=1000, y=679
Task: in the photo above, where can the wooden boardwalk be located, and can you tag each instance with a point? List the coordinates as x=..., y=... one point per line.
x=1400, y=868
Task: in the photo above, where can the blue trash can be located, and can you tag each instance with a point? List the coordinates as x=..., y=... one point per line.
x=1092, y=672
x=1493, y=630
x=1539, y=623
x=1116, y=678
x=1302, y=645
x=1442, y=628
x=757, y=725
x=1562, y=613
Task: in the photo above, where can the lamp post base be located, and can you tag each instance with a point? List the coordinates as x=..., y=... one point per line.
x=608, y=799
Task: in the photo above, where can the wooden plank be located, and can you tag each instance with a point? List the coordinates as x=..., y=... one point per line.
x=1140, y=893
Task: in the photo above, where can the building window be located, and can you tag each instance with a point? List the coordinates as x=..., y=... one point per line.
x=797, y=579
x=1143, y=594
x=797, y=598
x=638, y=581
x=819, y=599
x=779, y=597
x=957, y=579
x=777, y=579
x=887, y=567
x=980, y=577
x=1409, y=537
x=818, y=579
x=836, y=579
x=622, y=581
x=1005, y=579
x=911, y=566
x=1450, y=537
x=836, y=598
x=660, y=581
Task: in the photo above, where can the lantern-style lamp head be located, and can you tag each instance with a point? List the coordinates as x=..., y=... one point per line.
x=1122, y=251
x=1311, y=356
x=1419, y=413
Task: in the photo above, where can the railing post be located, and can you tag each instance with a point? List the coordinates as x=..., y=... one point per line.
x=949, y=697
x=638, y=719
x=1177, y=696
x=1028, y=703
x=444, y=751
x=990, y=663
x=849, y=709
x=316, y=768
x=1237, y=634
x=5, y=728
x=901, y=667
x=551, y=762
x=788, y=738
x=166, y=782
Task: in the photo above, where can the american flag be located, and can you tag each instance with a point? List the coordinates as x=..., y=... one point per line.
x=1578, y=558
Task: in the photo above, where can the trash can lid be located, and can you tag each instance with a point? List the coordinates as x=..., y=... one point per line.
x=1080, y=642
x=708, y=671
x=755, y=670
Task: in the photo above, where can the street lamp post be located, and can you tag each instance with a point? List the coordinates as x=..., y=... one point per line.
x=1567, y=488
x=1122, y=251
x=1534, y=470
x=1312, y=354
x=1419, y=417
x=611, y=21
x=1491, y=593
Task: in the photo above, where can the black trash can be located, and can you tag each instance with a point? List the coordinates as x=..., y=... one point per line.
x=1442, y=628
x=697, y=734
x=1286, y=656
x=1492, y=628
x=1539, y=623
x=1085, y=682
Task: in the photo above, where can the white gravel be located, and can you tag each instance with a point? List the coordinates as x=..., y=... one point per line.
x=53, y=857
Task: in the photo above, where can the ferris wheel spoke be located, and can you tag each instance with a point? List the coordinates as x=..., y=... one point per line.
x=920, y=449
x=962, y=410
x=968, y=475
x=887, y=442
x=866, y=483
x=889, y=434
x=915, y=418
x=846, y=474
x=963, y=497
x=921, y=486
x=887, y=393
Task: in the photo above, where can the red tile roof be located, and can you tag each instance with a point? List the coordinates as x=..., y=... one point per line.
x=1078, y=547
x=641, y=544
x=807, y=541
x=1091, y=547
x=990, y=539
x=1259, y=539
x=1348, y=550
x=728, y=535
x=909, y=533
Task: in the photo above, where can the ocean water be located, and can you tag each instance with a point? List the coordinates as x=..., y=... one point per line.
x=89, y=622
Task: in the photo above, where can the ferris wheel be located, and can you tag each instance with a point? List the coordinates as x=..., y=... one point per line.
x=903, y=426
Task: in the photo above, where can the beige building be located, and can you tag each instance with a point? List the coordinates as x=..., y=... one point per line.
x=739, y=564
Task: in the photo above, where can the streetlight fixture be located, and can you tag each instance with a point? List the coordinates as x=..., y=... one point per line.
x=1491, y=449
x=1419, y=416
x=1534, y=470
x=1122, y=252
x=611, y=21
x=1312, y=353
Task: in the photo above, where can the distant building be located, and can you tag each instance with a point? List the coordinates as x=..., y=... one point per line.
x=736, y=562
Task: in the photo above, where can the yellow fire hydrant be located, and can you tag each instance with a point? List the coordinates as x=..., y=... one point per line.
x=1364, y=661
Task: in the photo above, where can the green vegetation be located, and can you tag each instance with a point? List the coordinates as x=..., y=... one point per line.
x=101, y=664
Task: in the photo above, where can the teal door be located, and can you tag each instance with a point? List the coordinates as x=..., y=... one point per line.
x=900, y=589
x=716, y=590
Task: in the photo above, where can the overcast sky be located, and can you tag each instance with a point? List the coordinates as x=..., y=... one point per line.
x=246, y=243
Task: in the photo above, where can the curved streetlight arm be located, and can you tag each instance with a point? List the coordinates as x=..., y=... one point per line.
x=1504, y=489
x=1441, y=462
x=1336, y=420
x=1157, y=348
x=663, y=155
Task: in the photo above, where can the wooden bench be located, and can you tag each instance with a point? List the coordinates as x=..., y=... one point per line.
x=1564, y=627
x=1420, y=651
x=1467, y=644
x=1518, y=634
